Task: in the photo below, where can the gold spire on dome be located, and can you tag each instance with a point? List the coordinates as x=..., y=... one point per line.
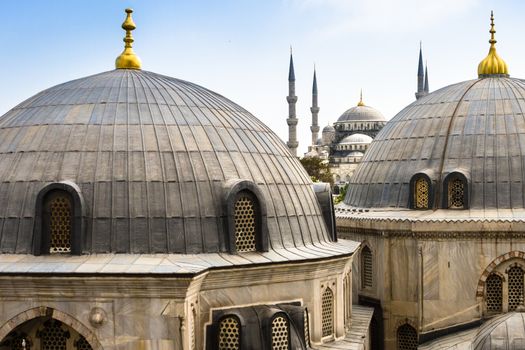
x=128, y=59
x=361, y=103
x=492, y=64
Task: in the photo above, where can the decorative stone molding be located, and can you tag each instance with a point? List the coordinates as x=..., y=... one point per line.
x=97, y=317
x=42, y=311
x=490, y=268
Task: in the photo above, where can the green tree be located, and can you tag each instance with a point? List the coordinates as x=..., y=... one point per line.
x=341, y=196
x=318, y=169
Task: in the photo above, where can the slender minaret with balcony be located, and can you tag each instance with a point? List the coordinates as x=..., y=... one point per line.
x=315, y=112
x=426, y=79
x=292, y=119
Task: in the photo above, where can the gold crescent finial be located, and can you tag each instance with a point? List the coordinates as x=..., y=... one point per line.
x=361, y=103
x=128, y=59
x=492, y=64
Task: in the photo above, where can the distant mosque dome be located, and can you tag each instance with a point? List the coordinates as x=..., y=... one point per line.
x=328, y=135
x=328, y=129
x=356, y=138
x=361, y=113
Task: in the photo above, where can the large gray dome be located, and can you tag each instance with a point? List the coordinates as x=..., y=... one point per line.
x=151, y=156
x=361, y=113
x=476, y=128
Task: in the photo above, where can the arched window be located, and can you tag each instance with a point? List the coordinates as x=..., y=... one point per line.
x=245, y=223
x=406, y=338
x=494, y=293
x=327, y=312
x=82, y=344
x=58, y=221
x=246, y=216
x=280, y=333
x=456, y=191
x=229, y=333
x=515, y=287
x=366, y=267
x=420, y=192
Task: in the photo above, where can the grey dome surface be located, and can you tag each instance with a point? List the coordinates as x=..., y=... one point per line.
x=502, y=333
x=151, y=156
x=361, y=113
x=356, y=138
x=475, y=127
x=328, y=129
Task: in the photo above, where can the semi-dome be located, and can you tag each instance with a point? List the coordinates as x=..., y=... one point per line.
x=503, y=332
x=361, y=113
x=151, y=162
x=356, y=138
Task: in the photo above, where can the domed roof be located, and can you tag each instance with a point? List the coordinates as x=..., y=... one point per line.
x=503, y=332
x=361, y=113
x=328, y=129
x=152, y=157
x=355, y=154
x=356, y=138
x=476, y=128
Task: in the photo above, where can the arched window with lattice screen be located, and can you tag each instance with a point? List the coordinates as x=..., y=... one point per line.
x=280, y=333
x=494, y=293
x=421, y=193
x=515, y=274
x=327, y=312
x=245, y=223
x=58, y=221
x=406, y=338
x=82, y=344
x=229, y=333
x=53, y=336
x=456, y=191
x=366, y=267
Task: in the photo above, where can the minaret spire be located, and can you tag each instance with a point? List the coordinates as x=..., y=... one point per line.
x=292, y=119
x=426, y=79
x=420, y=75
x=315, y=111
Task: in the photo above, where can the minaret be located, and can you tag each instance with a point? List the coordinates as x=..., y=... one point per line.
x=315, y=111
x=292, y=119
x=420, y=76
x=425, y=89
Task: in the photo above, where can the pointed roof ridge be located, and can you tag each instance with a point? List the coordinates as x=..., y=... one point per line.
x=420, y=65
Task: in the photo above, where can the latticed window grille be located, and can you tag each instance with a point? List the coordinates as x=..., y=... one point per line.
x=229, y=333
x=515, y=287
x=60, y=224
x=19, y=342
x=367, y=274
x=280, y=333
x=82, y=344
x=406, y=338
x=456, y=193
x=421, y=194
x=327, y=312
x=245, y=224
x=53, y=337
x=494, y=293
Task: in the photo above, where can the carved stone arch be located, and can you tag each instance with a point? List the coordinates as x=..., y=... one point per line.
x=403, y=321
x=44, y=311
x=491, y=268
x=515, y=264
x=78, y=215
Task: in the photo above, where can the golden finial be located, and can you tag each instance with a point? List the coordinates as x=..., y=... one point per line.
x=492, y=64
x=361, y=103
x=128, y=59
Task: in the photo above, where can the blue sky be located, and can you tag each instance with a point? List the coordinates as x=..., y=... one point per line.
x=240, y=48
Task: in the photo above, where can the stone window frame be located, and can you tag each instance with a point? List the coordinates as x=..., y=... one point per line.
x=364, y=246
x=446, y=183
x=233, y=190
x=285, y=316
x=412, y=194
x=505, y=263
x=41, y=236
x=332, y=289
x=239, y=323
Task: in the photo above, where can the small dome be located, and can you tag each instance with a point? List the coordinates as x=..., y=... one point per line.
x=311, y=154
x=501, y=333
x=328, y=129
x=356, y=138
x=319, y=142
x=361, y=113
x=355, y=154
